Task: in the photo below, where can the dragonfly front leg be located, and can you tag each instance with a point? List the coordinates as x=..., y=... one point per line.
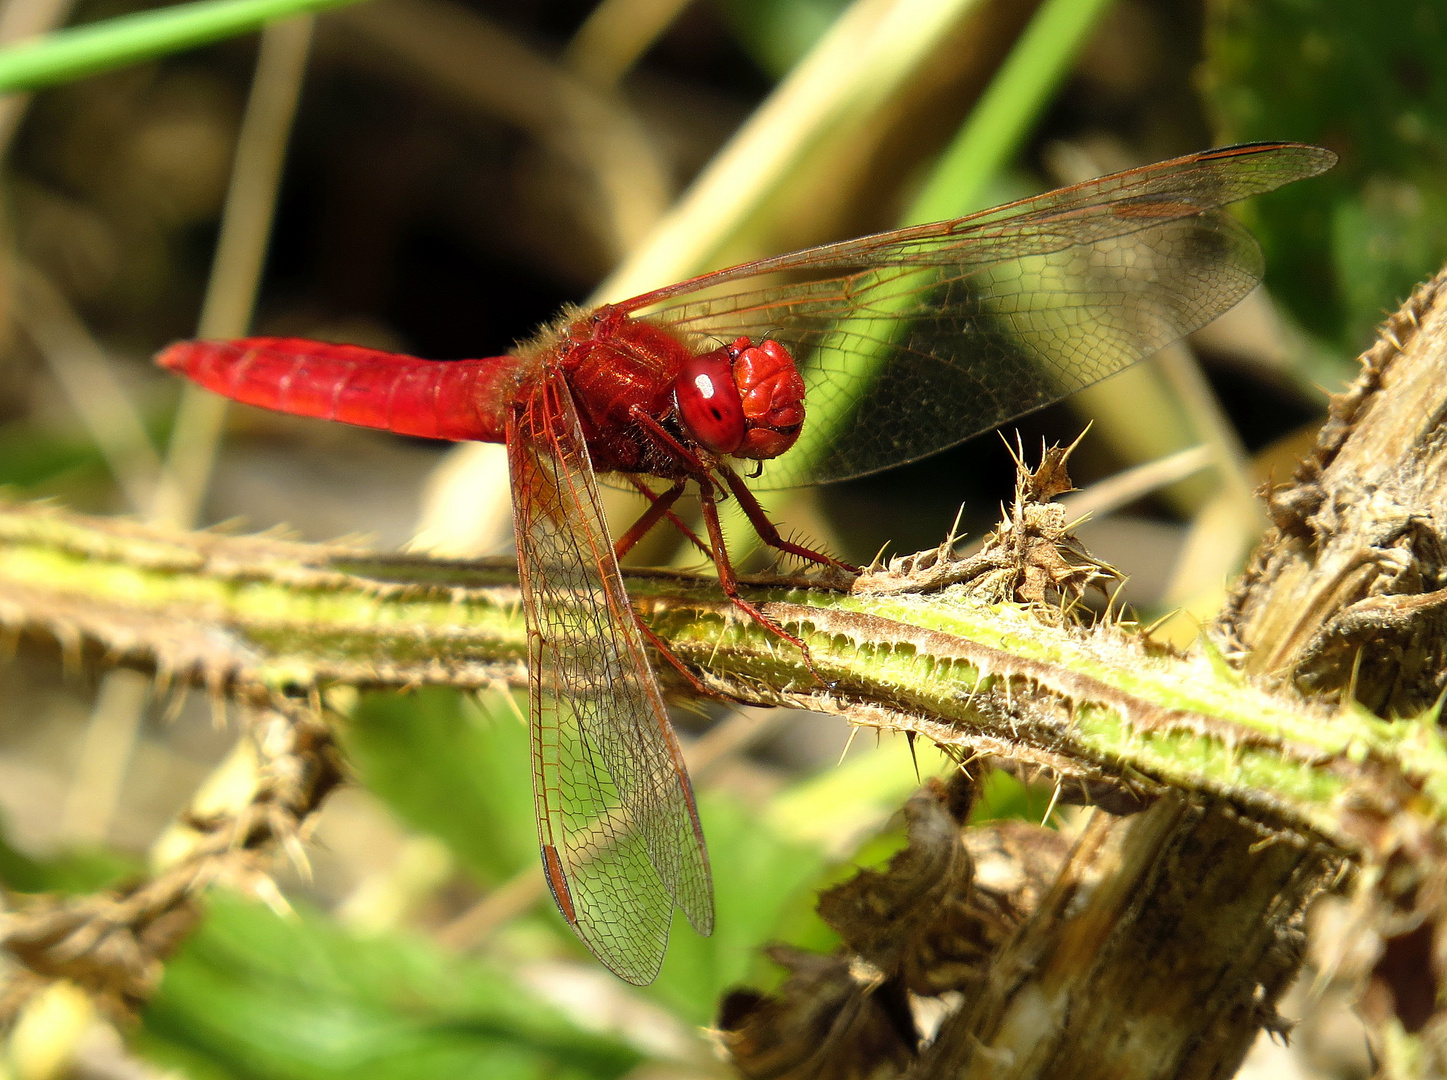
x=767, y=531
x=660, y=507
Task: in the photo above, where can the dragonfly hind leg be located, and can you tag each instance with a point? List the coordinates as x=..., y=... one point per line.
x=661, y=506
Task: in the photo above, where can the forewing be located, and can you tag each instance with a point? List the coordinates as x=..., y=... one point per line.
x=620, y=835
x=914, y=340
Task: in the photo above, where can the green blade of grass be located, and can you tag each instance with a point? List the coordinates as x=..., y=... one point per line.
x=996, y=126
x=87, y=50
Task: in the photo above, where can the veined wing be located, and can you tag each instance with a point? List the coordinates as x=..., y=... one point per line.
x=620, y=836
x=913, y=340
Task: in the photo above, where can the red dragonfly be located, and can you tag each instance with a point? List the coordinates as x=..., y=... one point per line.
x=908, y=341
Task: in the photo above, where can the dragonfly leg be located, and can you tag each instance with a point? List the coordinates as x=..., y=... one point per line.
x=766, y=529
x=690, y=460
x=661, y=508
x=729, y=582
x=665, y=650
x=708, y=498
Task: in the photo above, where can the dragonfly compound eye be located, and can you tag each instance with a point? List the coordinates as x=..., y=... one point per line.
x=708, y=401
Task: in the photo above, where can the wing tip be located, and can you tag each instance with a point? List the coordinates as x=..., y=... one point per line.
x=1310, y=160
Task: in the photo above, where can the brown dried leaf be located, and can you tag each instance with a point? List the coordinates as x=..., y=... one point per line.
x=1044, y=563
x=926, y=926
x=1031, y=556
x=1017, y=861
x=833, y=1019
x=921, y=919
x=1051, y=478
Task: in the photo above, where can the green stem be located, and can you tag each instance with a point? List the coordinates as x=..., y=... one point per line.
x=263, y=616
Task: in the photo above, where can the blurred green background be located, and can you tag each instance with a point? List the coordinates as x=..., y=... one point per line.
x=455, y=173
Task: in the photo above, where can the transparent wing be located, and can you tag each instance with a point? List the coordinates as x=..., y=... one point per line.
x=620, y=835
x=914, y=340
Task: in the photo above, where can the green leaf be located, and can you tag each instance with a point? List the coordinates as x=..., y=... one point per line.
x=452, y=767
x=1008, y=110
x=460, y=770
x=43, y=461
x=252, y=994
x=777, y=33
x=856, y=798
x=87, y=50
x=1002, y=796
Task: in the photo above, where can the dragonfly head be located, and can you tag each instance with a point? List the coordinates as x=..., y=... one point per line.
x=742, y=399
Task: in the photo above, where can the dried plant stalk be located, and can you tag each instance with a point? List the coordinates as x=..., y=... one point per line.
x=1345, y=595
x=114, y=944
x=1345, y=600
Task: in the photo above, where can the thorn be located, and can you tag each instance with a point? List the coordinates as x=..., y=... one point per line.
x=265, y=890
x=164, y=679
x=1351, y=694
x=853, y=731
x=1017, y=452
x=1110, y=603
x=910, y=736
x=969, y=702
x=513, y=707
x=1078, y=440
x=954, y=528
x=877, y=563
x=296, y=853
x=1054, y=798
x=179, y=694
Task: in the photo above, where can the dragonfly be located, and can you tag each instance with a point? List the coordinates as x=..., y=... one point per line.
x=901, y=344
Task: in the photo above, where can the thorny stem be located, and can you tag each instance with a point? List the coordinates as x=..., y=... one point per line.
x=269, y=620
x=114, y=944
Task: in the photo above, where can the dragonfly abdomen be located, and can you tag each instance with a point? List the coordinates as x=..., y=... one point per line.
x=435, y=399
